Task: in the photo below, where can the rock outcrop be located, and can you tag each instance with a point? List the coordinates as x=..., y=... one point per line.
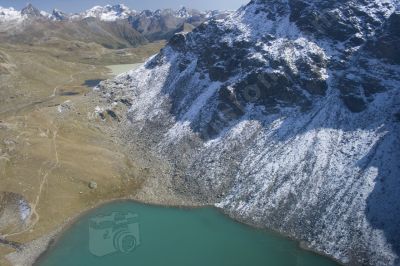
x=15, y=212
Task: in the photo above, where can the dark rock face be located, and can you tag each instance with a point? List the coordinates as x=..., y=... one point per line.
x=394, y=24
x=59, y=15
x=31, y=11
x=325, y=21
x=337, y=20
x=354, y=103
x=397, y=116
x=177, y=42
x=282, y=120
x=387, y=44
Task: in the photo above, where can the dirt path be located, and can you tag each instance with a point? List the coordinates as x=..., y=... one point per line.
x=44, y=175
x=53, y=165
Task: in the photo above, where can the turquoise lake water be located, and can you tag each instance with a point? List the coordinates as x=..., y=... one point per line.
x=128, y=233
x=119, y=69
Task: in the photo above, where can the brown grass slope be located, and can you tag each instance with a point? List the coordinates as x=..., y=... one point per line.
x=113, y=35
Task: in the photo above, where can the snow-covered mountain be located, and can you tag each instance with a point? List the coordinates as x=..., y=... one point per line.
x=154, y=25
x=103, y=13
x=108, y=12
x=59, y=15
x=10, y=15
x=34, y=27
x=286, y=115
x=184, y=13
x=31, y=12
x=120, y=11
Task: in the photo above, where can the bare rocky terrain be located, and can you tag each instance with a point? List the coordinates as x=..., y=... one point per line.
x=284, y=115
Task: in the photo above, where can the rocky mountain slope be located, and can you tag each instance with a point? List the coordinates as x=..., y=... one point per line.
x=286, y=115
x=162, y=24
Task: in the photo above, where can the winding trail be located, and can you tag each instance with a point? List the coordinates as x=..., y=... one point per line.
x=44, y=179
x=34, y=216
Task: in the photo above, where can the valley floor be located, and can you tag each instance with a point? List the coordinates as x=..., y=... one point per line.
x=53, y=144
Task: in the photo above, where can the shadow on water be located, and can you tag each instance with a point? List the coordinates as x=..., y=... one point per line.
x=92, y=82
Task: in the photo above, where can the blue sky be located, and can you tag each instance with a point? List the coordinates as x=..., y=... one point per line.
x=80, y=5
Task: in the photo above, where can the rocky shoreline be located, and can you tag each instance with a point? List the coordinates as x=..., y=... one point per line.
x=30, y=253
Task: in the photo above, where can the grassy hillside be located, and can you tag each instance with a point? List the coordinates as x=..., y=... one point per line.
x=113, y=35
x=51, y=141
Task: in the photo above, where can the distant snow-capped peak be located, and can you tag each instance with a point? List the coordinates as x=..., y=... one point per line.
x=59, y=15
x=10, y=14
x=109, y=12
x=104, y=13
x=182, y=13
x=28, y=12
x=31, y=11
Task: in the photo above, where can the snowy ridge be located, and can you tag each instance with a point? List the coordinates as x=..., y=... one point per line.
x=10, y=15
x=105, y=13
x=58, y=15
x=285, y=117
x=108, y=12
x=183, y=13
